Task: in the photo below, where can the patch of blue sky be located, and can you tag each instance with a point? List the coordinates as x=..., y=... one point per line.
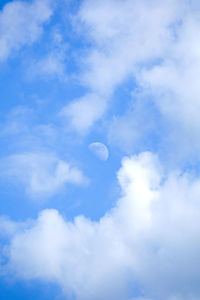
x=3, y=2
x=30, y=290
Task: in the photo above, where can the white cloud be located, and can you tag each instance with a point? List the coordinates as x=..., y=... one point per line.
x=146, y=247
x=156, y=45
x=125, y=34
x=174, y=82
x=80, y=114
x=43, y=174
x=125, y=37
x=21, y=24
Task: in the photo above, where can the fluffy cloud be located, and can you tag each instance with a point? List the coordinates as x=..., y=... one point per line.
x=21, y=24
x=146, y=247
x=42, y=174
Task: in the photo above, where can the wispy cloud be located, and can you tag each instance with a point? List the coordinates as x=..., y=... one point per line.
x=82, y=113
x=21, y=24
x=43, y=174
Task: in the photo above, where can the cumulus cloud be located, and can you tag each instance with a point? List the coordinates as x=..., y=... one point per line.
x=42, y=174
x=146, y=247
x=21, y=24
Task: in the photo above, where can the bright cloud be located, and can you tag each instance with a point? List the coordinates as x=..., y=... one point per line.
x=148, y=243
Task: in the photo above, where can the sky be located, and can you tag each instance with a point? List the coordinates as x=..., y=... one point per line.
x=100, y=143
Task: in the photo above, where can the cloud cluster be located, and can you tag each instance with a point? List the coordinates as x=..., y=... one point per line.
x=146, y=247
x=153, y=44
x=125, y=36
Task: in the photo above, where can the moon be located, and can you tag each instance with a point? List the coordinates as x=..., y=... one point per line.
x=100, y=150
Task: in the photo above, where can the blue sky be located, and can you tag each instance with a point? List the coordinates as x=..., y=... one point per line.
x=99, y=156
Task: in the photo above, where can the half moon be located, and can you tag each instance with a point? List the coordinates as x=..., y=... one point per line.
x=99, y=150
